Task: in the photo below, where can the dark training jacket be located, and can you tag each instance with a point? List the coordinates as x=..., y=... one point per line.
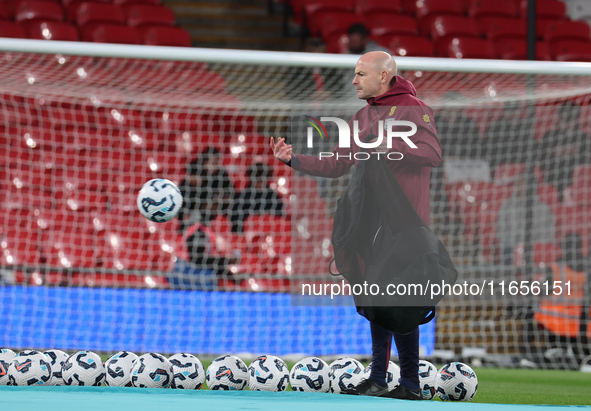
x=380, y=231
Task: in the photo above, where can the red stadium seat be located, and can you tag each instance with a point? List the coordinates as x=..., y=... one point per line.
x=25, y=176
x=469, y=200
x=30, y=197
x=4, y=14
x=545, y=9
x=120, y=118
x=16, y=219
x=582, y=185
x=82, y=180
x=19, y=247
x=331, y=23
x=411, y=46
x=80, y=201
x=384, y=26
x=171, y=164
x=149, y=15
x=68, y=250
x=454, y=26
x=409, y=6
x=131, y=2
x=39, y=10
x=122, y=251
x=312, y=7
x=11, y=30
x=545, y=253
x=68, y=3
x=166, y=36
x=65, y=157
x=498, y=8
x=507, y=173
x=64, y=222
x=542, y=25
x=571, y=50
x=111, y=33
x=89, y=13
x=369, y=6
x=428, y=10
x=188, y=143
x=516, y=49
x=51, y=30
x=497, y=28
x=567, y=30
x=466, y=47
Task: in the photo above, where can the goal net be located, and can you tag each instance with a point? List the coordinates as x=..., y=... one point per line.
x=82, y=129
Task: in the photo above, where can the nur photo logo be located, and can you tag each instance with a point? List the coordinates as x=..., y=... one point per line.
x=345, y=132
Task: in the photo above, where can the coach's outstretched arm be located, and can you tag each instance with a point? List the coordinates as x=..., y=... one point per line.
x=330, y=167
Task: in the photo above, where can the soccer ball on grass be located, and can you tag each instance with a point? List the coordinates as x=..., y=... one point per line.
x=268, y=373
x=227, y=373
x=311, y=375
x=83, y=368
x=29, y=367
x=345, y=373
x=456, y=381
x=188, y=372
x=118, y=369
x=151, y=370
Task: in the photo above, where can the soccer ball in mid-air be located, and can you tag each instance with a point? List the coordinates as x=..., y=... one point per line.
x=118, y=369
x=6, y=357
x=427, y=375
x=188, y=372
x=56, y=359
x=268, y=373
x=311, y=375
x=29, y=367
x=345, y=373
x=456, y=381
x=227, y=373
x=151, y=370
x=159, y=200
x=83, y=368
x=392, y=375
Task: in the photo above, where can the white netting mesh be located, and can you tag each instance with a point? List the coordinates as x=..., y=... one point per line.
x=80, y=135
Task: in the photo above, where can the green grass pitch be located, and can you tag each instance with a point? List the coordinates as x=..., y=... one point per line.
x=517, y=386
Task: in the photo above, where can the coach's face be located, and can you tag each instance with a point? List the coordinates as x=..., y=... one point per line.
x=367, y=80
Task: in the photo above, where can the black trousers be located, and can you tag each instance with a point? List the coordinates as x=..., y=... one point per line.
x=408, y=354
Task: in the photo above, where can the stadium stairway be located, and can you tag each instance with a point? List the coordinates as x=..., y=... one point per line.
x=231, y=24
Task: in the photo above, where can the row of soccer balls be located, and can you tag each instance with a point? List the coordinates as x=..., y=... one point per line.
x=455, y=381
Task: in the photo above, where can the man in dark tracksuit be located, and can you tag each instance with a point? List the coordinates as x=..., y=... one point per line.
x=388, y=96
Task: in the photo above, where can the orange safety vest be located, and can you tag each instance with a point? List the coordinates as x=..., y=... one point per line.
x=561, y=314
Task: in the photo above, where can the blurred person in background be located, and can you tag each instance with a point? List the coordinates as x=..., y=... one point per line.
x=459, y=134
x=205, y=265
x=563, y=149
x=359, y=41
x=205, y=178
x=565, y=314
x=507, y=139
x=511, y=221
x=257, y=198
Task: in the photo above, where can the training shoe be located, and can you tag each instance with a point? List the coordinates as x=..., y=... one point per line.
x=403, y=393
x=367, y=387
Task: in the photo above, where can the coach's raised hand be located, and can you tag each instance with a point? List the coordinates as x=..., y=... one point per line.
x=281, y=151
